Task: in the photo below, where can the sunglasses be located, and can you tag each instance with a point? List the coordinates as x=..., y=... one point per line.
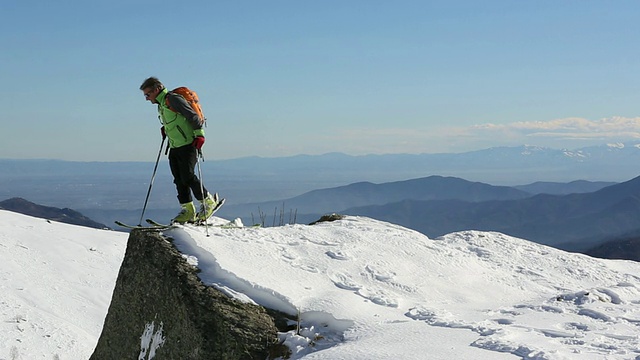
x=147, y=94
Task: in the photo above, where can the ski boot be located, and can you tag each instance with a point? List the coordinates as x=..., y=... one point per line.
x=186, y=215
x=207, y=206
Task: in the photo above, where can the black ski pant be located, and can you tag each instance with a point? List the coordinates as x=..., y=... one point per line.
x=182, y=162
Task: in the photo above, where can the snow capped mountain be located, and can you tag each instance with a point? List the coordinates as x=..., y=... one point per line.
x=610, y=149
x=578, y=154
x=529, y=149
x=365, y=289
x=616, y=146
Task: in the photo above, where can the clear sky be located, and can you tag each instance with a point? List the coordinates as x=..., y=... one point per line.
x=279, y=78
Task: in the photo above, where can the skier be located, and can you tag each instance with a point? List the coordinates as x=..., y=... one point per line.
x=183, y=126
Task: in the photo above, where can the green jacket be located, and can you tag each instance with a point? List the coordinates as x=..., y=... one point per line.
x=182, y=126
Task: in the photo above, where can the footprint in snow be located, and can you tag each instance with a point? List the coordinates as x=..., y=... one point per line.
x=305, y=267
x=576, y=326
x=597, y=315
x=447, y=319
x=380, y=275
x=344, y=281
x=504, y=321
x=338, y=255
x=378, y=296
x=557, y=333
x=288, y=255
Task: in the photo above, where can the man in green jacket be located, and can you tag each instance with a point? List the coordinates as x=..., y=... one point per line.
x=182, y=126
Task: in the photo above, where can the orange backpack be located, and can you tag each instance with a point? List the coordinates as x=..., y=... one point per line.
x=192, y=98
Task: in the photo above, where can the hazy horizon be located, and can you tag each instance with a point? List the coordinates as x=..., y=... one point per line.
x=619, y=144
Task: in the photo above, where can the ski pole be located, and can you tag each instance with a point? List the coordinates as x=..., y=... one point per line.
x=204, y=202
x=151, y=183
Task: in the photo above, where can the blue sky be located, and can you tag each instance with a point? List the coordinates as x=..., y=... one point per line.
x=279, y=78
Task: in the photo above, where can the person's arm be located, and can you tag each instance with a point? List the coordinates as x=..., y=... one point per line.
x=180, y=105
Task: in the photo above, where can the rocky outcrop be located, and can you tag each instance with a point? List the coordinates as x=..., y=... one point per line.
x=161, y=310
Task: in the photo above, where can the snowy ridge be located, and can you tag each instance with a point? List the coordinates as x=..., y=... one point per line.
x=365, y=289
x=213, y=274
x=56, y=282
x=363, y=279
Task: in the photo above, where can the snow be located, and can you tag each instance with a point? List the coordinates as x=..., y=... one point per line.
x=364, y=289
x=56, y=282
x=616, y=145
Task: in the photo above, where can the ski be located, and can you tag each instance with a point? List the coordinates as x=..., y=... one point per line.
x=215, y=209
x=155, y=223
x=218, y=206
x=153, y=227
x=121, y=224
x=233, y=226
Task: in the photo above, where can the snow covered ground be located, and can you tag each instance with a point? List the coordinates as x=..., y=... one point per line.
x=364, y=289
x=56, y=282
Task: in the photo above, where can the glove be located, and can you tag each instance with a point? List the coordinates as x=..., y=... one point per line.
x=164, y=134
x=198, y=142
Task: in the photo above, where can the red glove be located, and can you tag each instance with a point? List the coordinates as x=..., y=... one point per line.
x=198, y=142
x=164, y=135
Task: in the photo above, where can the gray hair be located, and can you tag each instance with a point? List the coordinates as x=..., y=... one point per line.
x=152, y=83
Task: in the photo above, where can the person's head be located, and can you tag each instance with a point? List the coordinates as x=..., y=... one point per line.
x=151, y=87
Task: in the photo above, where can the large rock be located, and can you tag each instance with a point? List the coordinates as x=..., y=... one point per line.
x=161, y=310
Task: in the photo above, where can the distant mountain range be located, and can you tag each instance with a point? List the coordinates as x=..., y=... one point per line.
x=574, y=222
x=599, y=166
x=366, y=193
x=573, y=187
x=625, y=248
x=573, y=216
x=499, y=165
x=422, y=189
x=600, y=223
x=552, y=209
x=68, y=216
x=107, y=186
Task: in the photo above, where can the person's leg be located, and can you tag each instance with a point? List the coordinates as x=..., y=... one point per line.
x=189, y=159
x=178, y=163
